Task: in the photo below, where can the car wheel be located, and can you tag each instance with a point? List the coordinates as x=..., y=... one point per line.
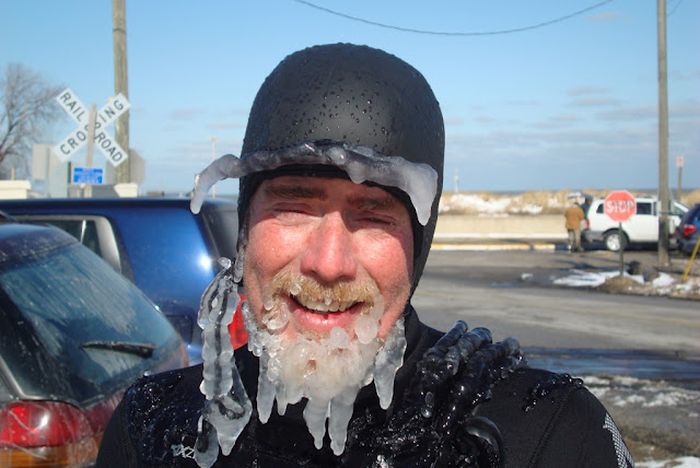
x=614, y=240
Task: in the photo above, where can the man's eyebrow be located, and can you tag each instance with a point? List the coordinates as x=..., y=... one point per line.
x=374, y=203
x=294, y=191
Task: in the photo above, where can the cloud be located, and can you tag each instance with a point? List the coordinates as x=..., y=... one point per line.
x=596, y=102
x=560, y=120
x=232, y=112
x=629, y=114
x=226, y=126
x=185, y=114
x=689, y=109
x=605, y=16
x=485, y=119
x=523, y=102
x=684, y=75
x=586, y=90
x=564, y=118
x=453, y=120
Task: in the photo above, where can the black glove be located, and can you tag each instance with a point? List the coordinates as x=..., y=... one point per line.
x=434, y=425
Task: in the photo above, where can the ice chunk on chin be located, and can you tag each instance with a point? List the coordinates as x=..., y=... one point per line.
x=266, y=391
x=388, y=361
x=366, y=328
x=338, y=338
x=277, y=320
x=254, y=338
x=377, y=310
x=340, y=413
x=315, y=417
x=227, y=406
x=268, y=301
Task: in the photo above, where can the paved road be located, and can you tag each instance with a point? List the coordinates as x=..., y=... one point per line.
x=640, y=355
x=488, y=289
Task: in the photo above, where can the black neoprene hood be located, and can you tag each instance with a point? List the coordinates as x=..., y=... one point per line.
x=353, y=95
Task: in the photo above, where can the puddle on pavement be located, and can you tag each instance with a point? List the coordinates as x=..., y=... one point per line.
x=682, y=370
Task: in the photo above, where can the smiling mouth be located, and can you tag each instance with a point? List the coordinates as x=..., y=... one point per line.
x=324, y=307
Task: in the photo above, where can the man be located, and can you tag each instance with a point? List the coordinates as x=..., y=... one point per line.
x=341, y=170
x=573, y=216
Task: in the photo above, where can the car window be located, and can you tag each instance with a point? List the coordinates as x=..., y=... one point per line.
x=4, y=392
x=94, y=232
x=222, y=221
x=84, y=230
x=71, y=297
x=600, y=209
x=168, y=241
x=696, y=218
x=644, y=208
x=677, y=210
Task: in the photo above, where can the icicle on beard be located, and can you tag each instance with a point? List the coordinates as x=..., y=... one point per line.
x=328, y=371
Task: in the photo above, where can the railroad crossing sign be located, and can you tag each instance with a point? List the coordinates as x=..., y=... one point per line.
x=75, y=140
x=620, y=205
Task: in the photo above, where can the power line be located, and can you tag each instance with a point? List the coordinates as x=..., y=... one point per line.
x=673, y=10
x=448, y=33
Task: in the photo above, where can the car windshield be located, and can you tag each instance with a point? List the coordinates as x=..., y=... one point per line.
x=88, y=319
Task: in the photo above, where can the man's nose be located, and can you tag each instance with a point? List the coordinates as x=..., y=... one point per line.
x=329, y=255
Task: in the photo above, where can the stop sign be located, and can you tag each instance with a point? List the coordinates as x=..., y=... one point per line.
x=620, y=205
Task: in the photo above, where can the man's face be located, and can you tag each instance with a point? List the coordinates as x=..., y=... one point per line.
x=352, y=239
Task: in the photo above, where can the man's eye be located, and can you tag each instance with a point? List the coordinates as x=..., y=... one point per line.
x=377, y=219
x=287, y=211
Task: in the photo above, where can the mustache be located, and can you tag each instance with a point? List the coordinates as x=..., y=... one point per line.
x=307, y=289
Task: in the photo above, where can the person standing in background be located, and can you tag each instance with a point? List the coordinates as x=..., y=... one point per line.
x=574, y=215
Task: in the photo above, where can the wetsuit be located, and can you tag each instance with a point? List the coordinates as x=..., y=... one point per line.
x=542, y=419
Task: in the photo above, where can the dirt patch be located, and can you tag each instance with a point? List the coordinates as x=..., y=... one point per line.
x=690, y=289
x=621, y=285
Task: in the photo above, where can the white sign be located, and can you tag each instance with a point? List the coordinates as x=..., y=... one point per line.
x=115, y=107
x=680, y=161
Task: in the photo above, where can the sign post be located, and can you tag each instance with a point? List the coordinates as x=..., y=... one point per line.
x=620, y=206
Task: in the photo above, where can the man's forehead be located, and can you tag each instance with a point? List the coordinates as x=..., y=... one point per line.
x=322, y=187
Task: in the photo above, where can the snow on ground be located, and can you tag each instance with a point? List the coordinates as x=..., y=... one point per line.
x=682, y=462
x=590, y=279
x=641, y=405
x=664, y=285
x=489, y=203
x=641, y=392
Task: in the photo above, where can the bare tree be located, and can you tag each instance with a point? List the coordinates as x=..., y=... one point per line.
x=27, y=105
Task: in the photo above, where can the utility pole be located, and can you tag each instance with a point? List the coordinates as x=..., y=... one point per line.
x=121, y=84
x=679, y=166
x=664, y=197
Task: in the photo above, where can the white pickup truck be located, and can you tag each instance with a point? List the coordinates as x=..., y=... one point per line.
x=643, y=227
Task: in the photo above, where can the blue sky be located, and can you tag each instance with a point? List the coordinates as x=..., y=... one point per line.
x=571, y=105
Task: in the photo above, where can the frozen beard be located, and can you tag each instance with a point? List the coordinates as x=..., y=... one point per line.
x=327, y=369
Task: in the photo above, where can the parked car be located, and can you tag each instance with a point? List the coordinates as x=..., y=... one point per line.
x=74, y=334
x=157, y=243
x=688, y=231
x=641, y=228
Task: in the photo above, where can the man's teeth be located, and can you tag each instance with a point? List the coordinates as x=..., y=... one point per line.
x=322, y=307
